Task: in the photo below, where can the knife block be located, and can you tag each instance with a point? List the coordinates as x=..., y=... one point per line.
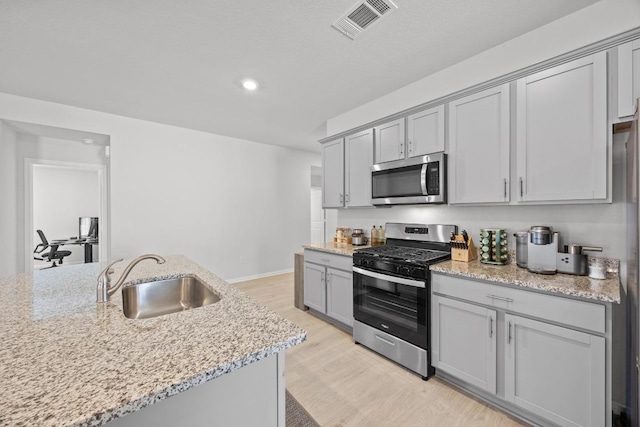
x=464, y=255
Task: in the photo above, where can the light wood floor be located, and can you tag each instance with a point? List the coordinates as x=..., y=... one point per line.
x=346, y=385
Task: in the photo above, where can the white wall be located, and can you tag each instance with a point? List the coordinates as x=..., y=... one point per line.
x=599, y=21
x=237, y=207
x=60, y=196
x=8, y=200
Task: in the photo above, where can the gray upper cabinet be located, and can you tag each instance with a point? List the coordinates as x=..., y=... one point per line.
x=479, y=147
x=425, y=132
x=628, y=77
x=390, y=141
x=333, y=174
x=359, y=159
x=346, y=171
x=562, y=132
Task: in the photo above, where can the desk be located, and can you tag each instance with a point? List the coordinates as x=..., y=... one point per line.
x=88, y=246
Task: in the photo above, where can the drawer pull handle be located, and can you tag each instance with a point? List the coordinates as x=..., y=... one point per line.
x=384, y=340
x=500, y=298
x=509, y=334
x=325, y=260
x=490, y=327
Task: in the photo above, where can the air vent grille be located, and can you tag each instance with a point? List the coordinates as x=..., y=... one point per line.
x=380, y=6
x=363, y=15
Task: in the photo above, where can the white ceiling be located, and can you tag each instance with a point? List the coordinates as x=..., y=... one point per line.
x=179, y=62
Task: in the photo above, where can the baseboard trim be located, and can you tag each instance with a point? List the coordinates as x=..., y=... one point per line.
x=259, y=276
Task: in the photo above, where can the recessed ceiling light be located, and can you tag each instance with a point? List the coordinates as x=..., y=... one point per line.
x=87, y=141
x=249, y=84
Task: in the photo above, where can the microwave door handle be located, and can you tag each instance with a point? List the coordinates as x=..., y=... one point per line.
x=423, y=180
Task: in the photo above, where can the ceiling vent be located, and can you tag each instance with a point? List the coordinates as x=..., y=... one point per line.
x=362, y=16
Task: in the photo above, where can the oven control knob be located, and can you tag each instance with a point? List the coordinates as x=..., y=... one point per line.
x=368, y=263
x=403, y=269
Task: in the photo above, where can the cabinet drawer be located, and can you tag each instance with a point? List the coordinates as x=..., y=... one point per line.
x=340, y=262
x=579, y=314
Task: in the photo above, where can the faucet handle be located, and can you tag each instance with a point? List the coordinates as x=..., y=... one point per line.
x=105, y=275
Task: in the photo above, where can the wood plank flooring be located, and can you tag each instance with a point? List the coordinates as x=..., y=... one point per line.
x=342, y=384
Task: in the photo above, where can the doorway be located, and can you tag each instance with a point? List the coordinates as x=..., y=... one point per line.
x=57, y=194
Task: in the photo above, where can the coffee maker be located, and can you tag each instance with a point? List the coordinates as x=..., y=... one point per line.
x=542, y=250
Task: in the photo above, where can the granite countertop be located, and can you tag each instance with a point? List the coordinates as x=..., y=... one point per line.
x=607, y=290
x=67, y=360
x=334, y=248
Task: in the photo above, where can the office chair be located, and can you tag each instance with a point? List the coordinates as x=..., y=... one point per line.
x=53, y=254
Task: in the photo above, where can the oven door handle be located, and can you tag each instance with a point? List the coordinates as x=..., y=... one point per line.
x=394, y=279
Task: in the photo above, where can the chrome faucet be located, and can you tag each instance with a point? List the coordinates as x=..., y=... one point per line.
x=105, y=289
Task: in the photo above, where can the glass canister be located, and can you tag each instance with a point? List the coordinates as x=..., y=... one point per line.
x=494, y=247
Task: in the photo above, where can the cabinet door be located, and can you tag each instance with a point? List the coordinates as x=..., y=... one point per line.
x=314, y=287
x=555, y=372
x=425, y=132
x=463, y=341
x=389, y=143
x=340, y=296
x=562, y=132
x=479, y=147
x=333, y=174
x=628, y=77
x=359, y=159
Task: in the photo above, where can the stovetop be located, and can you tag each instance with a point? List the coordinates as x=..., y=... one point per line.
x=405, y=253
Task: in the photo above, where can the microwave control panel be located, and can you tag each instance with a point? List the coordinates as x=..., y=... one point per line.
x=433, y=178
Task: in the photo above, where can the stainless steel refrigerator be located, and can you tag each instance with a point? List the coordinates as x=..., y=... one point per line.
x=633, y=241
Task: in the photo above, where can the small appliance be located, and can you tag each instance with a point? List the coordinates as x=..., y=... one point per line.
x=573, y=261
x=542, y=250
x=416, y=180
x=522, y=248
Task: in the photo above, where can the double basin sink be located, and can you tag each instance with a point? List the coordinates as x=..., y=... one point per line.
x=160, y=297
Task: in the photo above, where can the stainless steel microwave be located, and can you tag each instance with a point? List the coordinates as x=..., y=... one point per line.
x=413, y=181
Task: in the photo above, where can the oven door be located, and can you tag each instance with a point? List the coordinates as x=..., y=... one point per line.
x=395, y=305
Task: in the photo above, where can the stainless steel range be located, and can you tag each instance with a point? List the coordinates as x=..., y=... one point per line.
x=391, y=292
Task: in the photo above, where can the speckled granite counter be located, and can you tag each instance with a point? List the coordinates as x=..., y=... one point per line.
x=334, y=248
x=565, y=284
x=67, y=360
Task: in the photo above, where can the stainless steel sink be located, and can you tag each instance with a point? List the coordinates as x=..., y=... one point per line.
x=152, y=299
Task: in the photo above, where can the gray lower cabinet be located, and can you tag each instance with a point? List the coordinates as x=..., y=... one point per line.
x=555, y=372
x=541, y=356
x=340, y=296
x=328, y=285
x=314, y=287
x=457, y=327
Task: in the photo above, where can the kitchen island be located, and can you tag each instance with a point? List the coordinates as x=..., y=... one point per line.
x=67, y=360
